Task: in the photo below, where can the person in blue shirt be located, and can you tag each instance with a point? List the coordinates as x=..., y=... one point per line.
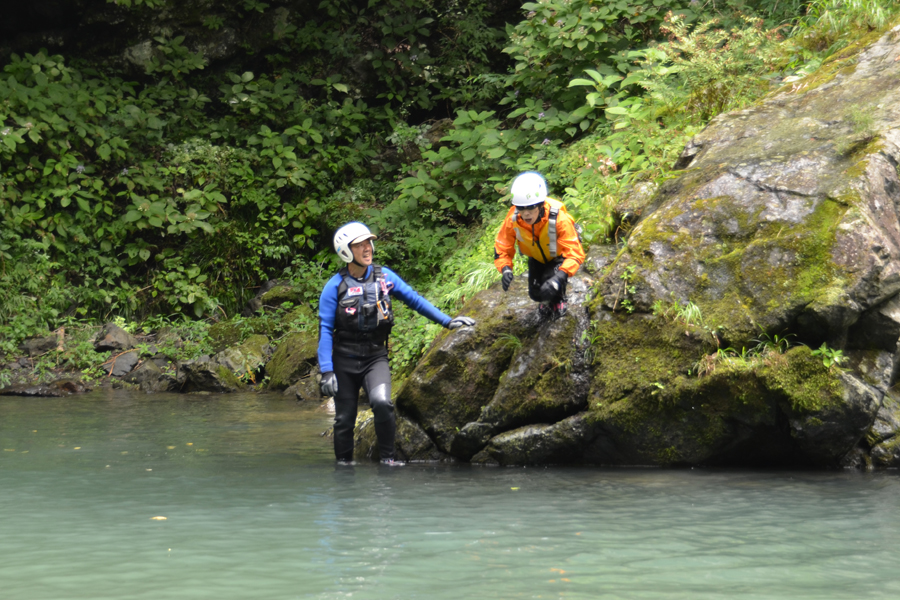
x=355, y=320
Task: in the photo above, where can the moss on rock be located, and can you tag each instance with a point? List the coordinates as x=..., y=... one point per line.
x=294, y=358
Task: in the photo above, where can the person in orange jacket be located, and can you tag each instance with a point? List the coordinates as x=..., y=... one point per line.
x=546, y=234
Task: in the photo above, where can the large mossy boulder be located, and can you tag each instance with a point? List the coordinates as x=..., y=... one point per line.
x=230, y=333
x=205, y=375
x=785, y=218
x=227, y=370
x=511, y=369
x=295, y=358
x=248, y=357
x=783, y=230
x=272, y=295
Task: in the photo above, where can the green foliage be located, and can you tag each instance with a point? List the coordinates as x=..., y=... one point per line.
x=688, y=314
x=754, y=357
x=831, y=357
x=623, y=296
x=509, y=340
x=413, y=54
x=409, y=339
x=832, y=24
x=705, y=69
x=474, y=281
x=767, y=343
x=559, y=41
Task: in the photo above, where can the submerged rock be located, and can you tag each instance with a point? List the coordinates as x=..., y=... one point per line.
x=412, y=444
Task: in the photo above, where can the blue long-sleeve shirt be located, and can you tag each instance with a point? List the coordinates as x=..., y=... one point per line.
x=328, y=302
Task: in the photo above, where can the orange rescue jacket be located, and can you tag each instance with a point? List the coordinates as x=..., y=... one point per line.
x=537, y=241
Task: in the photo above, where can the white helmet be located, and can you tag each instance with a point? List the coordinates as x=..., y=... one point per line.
x=351, y=233
x=528, y=189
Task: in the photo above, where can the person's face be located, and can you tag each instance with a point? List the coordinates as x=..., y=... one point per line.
x=530, y=214
x=362, y=252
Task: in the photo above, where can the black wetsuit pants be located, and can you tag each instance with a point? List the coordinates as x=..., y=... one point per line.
x=374, y=375
x=538, y=274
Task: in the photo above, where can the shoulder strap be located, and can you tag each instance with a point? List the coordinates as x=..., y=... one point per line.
x=551, y=230
x=343, y=285
x=514, y=221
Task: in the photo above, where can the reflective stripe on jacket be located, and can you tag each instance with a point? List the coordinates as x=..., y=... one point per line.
x=537, y=241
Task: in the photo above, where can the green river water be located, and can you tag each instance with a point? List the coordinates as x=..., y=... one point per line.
x=255, y=508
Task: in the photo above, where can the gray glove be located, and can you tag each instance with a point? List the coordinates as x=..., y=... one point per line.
x=328, y=385
x=507, y=278
x=461, y=322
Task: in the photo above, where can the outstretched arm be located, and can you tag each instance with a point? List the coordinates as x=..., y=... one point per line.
x=412, y=299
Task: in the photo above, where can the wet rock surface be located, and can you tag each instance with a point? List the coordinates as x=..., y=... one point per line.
x=54, y=389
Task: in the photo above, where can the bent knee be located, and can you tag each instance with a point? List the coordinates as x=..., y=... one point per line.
x=380, y=399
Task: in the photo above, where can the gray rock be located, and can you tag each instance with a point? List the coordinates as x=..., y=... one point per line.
x=55, y=389
x=113, y=337
x=150, y=378
x=559, y=443
x=884, y=435
x=247, y=357
x=207, y=376
x=121, y=364
x=38, y=346
x=305, y=390
x=826, y=435
x=295, y=357
x=271, y=295
x=412, y=444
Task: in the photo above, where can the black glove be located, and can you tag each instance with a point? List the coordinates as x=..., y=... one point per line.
x=461, y=322
x=328, y=385
x=552, y=289
x=507, y=278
